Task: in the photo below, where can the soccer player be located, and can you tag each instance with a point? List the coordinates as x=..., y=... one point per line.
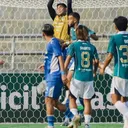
x=60, y=19
x=74, y=22
x=84, y=54
x=118, y=48
x=54, y=74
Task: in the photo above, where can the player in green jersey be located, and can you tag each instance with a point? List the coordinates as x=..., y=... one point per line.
x=84, y=54
x=118, y=48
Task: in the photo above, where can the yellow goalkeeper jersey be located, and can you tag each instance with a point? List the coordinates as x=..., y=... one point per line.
x=61, y=27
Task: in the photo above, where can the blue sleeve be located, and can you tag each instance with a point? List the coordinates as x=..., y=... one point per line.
x=56, y=47
x=111, y=46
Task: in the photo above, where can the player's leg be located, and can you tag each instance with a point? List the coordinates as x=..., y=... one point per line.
x=75, y=92
x=50, y=111
x=87, y=112
x=73, y=109
x=119, y=92
x=87, y=96
x=52, y=93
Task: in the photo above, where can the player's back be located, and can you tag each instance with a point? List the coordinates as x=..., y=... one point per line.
x=84, y=53
x=52, y=67
x=120, y=54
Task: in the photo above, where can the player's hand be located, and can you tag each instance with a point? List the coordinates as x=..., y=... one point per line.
x=41, y=68
x=94, y=74
x=64, y=78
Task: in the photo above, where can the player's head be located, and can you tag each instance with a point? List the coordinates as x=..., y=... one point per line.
x=73, y=19
x=121, y=23
x=48, y=30
x=61, y=9
x=82, y=33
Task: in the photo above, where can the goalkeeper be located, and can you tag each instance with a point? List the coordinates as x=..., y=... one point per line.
x=60, y=19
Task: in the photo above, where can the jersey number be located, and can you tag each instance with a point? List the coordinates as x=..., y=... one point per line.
x=124, y=53
x=85, y=59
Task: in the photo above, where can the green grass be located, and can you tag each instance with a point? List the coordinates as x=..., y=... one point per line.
x=58, y=126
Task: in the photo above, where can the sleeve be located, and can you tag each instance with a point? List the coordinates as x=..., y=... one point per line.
x=69, y=2
x=56, y=47
x=111, y=46
x=90, y=32
x=51, y=10
x=71, y=50
x=95, y=54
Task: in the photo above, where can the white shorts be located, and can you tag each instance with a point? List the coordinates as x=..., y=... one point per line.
x=121, y=85
x=71, y=67
x=81, y=89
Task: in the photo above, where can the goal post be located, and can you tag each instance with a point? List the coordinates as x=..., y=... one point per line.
x=22, y=48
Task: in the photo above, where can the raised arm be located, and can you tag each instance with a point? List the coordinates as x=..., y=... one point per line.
x=69, y=2
x=51, y=10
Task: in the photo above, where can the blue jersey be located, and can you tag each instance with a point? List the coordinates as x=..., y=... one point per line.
x=51, y=65
x=118, y=46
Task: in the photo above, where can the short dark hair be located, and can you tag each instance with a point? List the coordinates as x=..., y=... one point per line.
x=48, y=29
x=75, y=15
x=121, y=23
x=62, y=4
x=82, y=32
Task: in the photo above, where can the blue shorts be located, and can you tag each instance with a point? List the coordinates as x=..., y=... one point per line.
x=53, y=88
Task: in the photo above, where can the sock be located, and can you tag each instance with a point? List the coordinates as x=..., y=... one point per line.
x=74, y=111
x=50, y=119
x=87, y=119
x=66, y=119
x=122, y=108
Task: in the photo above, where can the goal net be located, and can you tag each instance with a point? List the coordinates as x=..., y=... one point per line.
x=22, y=48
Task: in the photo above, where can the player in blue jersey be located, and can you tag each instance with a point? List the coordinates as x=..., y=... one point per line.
x=118, y=48
x=84, y=54
x=54, y=73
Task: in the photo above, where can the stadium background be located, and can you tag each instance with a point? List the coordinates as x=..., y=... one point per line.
x=22, y=48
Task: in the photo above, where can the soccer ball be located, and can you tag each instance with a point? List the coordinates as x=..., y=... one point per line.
x=41, y=87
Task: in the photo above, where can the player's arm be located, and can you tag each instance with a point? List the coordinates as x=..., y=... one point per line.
x=63, y=74
x=106, y=63
x=51, y=10
x=94, y=37
x=70, y=55
x=111, y=51
x=68, y=58
x=69, y=6
x=92, y=34
x=95, y=61
x=95, y=64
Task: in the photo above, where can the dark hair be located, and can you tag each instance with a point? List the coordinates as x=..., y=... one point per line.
x=75, y=15
x=121, y=23
x=48, y=29
x=82, y=33
x=62, y=4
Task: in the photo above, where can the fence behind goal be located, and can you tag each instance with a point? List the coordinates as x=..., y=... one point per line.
x=22, y=48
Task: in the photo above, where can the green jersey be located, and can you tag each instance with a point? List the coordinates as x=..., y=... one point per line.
x=118, y=46
x=83, y=53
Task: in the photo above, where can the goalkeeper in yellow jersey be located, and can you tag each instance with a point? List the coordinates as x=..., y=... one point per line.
x=60, y=19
